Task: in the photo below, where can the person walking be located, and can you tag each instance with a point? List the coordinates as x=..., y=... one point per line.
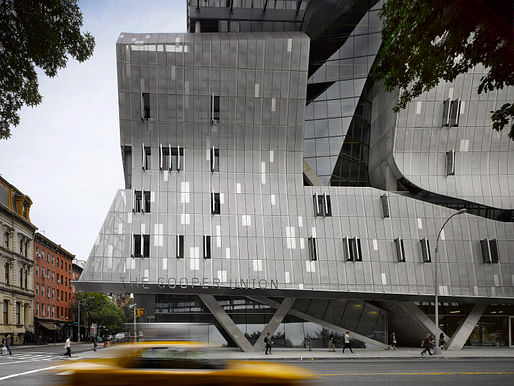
x=332, y=342
x=427, y=345
x=347, y=342
x=393, y=341
x=442, y=342
x=95, y=343
x=268, y=343
x=7, y=344
x=67, y=347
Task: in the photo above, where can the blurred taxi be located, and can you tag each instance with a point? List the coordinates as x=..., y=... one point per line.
x=177, y=363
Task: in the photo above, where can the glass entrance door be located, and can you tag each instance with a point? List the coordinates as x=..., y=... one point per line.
x=511, y=331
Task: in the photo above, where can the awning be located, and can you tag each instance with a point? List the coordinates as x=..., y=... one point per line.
x=49, y=326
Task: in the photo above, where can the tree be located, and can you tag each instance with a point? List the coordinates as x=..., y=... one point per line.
x=98, y=308
x=425, y=41
x=35, y=33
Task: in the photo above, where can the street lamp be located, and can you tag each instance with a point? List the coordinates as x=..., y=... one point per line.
x=134, y=306
x=437, y=349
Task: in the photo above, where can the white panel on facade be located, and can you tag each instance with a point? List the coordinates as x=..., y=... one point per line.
x=273, y=104
x=271, y=156
x=287, y=277
x=129, y=217
x=462, y=107
x=300, y=221
x=165, y=175
x=464, y=145
x=420, y=224
x=218, y=230
x=384, y=278
x=185, y=218
x=450, y=93
x=222, y=198
x=165, y=264
x=120, y=228
x=272, y=197
x=496, y=280
x=143, y=229
x=289, y=45
x=208, y=154
x=194, y=264
x=152, y=196
x=313, y=232
x=146, y=275
x=300, y=286
x=302, y=243
x=227, y=253
x=257, y=265
x=418, y=107
x=238, y=188
x=256, y=90
x=222, y=276
x=375, y=244
x=442, y=237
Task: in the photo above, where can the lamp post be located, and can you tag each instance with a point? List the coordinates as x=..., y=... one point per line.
x=134, y=306
x=437, y=350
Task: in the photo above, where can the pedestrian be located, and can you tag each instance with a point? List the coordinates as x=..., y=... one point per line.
x=67, y=346
x=4, y=349
x=442, y=342
x=7, y=345
x=347, y=342
x=95, y=343
x=268, y=343
x=332, y=342
x=427, y=345
x=393, y=341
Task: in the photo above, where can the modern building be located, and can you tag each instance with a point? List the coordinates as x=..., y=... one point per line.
x=16, y=263
x=53, y=288
x=76, y=270
x=269, y=187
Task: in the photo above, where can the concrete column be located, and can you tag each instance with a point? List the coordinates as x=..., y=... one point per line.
x=226, y=322
x=466, y=328
x=322, y=323
x=275, y=321
x=411, y=309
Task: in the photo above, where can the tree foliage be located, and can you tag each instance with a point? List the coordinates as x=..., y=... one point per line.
x=35, y=33
x=426, y=41
x=98, y=308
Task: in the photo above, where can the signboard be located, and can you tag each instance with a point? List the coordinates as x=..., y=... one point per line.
x=140, y=312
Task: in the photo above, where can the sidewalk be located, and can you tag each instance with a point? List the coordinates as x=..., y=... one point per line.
x=286, y=354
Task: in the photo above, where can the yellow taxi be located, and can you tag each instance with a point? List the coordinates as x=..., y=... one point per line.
x=177, y=363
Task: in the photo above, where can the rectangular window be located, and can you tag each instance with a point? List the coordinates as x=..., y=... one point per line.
x=147, y=196
x=21, y=278
x=180, y=246
x=126, y=154
x=450, y=162
x=6, y=239
x=215, y=203
x=138, y=201
x=137, y=246
x=446, y=113
x=400, y=250
x=145, y=105
x=53, y=311
x=206, y=247
x=6, y=273
x=42, y=290
x=37, y=289
x=489, y=251
x=215, y=160
x=147, y=156
x=313, y=251
x=454, y=112
x=215, y=108
x=37, y=269
x=384, y=199
x=6, y=312
x=18, y=312
x=146, y=245
x=53, y=293
x=177, y=158
x=37, y=309
x=164, y=157
x=425, y=250
x=322, y=205
x=352, y=248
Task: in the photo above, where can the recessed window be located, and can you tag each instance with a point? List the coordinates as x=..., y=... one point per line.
x=450, y=162
x=313, y=252
x=141, y=246
x=215, y=203
x=206, y=247
x=352, y=248
x=180, y=246
x=146, y=157
x=446, y=113
x=425, y=250
x=489, y=251
x=322, y=205
x=215, y=160
x=451, y=112
x=177, y=158
x=400, y=250
x=215, y=108
x=384, y=200
x=145, y=105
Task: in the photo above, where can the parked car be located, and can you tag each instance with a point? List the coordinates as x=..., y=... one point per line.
x=177, y=363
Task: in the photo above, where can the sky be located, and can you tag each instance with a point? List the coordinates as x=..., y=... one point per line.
x=65, y=153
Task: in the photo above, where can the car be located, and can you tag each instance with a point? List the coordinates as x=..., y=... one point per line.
x=119, y=337
x=177, y=363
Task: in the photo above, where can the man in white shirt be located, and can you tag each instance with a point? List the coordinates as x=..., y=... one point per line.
x=67, y=346
x=347, y=342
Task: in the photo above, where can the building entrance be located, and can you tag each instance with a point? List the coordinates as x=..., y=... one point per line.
x=511, y=331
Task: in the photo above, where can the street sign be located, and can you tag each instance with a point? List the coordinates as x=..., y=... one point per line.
x=140, y=312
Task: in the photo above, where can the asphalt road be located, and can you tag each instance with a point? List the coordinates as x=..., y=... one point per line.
x=33, y=366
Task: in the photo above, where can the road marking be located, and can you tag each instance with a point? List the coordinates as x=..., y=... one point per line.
x=29, y=372
x=427, y=373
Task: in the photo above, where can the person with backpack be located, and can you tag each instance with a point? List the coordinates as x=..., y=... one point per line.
x=427, y=345
x=268, y=343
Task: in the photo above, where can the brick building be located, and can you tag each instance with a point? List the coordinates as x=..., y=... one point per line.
x=53, y=289
x=16, y=263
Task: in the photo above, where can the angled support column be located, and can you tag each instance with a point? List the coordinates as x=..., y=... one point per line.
x=274, y=322
x=321, y=322
x=413, y=310
x=466, y=328
x=228, y=324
